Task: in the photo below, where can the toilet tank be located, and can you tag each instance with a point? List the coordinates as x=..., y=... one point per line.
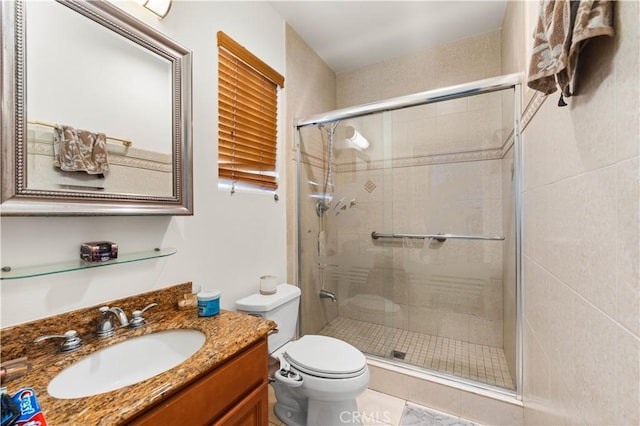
x=281, y=307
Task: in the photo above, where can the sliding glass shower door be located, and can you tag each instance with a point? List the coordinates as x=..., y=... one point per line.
x=411, y=229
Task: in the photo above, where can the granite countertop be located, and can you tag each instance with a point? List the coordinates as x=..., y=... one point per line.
x=226, y=334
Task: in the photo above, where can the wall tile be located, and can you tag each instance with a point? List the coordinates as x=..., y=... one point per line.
x=413, y=389
x=627, y=90
x=627, y=379
x=486, y=332
x=594, y=381
x=561, y=409
x=627, y=266
x=452, y=107
x=461, y=61
x=455, y=325
x=485, y=130
x=536, y=379
x=593, y=111
x=536, y=300
x=490, y=411
x=535, y=152
x=579, y=236
x=424, y=320
x=563, y=323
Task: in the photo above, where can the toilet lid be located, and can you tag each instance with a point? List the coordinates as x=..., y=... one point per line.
x=325, y=357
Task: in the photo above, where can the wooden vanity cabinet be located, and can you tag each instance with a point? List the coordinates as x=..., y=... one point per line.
x=234, y=393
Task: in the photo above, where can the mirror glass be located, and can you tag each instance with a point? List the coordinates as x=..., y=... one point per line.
x=101, y=114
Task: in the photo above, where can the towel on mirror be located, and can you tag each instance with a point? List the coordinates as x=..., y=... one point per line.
x=563, y=27
x=79, y=150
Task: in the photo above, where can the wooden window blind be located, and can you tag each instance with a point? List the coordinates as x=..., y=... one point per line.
x=247, y=116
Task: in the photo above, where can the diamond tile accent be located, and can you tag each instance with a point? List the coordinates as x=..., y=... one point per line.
x=369, y=186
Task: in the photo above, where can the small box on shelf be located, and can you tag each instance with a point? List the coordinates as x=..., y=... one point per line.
x=98, y=251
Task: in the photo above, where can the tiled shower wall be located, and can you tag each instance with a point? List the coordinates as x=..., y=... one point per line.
x=451, y=289
x=581, y=244
x=311, y=89
x=468, y=59
x=451, y=127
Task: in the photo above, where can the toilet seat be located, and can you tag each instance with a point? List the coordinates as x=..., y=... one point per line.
x=325, y=357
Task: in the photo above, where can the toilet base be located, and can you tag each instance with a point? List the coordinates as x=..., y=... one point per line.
x=289, y=409
x=295, y=410
x=288, y=416
x=320, y=413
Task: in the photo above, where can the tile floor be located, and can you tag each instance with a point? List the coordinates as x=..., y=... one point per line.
x=485, y=364
x=378, y=409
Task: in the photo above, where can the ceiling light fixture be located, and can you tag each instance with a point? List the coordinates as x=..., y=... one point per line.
x=159, y=7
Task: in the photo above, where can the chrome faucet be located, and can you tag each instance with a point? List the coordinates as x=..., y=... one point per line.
x=106, y=327
x=326, y=294
x=72, y=340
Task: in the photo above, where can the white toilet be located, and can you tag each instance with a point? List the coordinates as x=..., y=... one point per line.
x=319, y=377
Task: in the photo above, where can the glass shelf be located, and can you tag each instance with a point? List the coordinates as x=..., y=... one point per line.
x=75, y=265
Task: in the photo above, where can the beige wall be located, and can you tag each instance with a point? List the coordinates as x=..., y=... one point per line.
x=311, y=89
x=581, y=241
x=227, y=244
x=516, y=42
x=461, y=61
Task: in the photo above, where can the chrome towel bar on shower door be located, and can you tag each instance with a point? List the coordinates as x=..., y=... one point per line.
x=438, y=237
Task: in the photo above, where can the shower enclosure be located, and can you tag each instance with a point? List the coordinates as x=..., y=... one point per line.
x=408, y=230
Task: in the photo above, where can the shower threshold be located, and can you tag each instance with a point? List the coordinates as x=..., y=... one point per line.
x=485, y=364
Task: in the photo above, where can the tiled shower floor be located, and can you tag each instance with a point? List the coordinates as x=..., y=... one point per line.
x=485, y=364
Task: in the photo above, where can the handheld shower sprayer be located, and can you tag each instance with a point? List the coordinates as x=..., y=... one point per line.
x=323, y=205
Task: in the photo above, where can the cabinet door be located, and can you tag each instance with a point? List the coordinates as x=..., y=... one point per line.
x=214, y=395
x=252, y=411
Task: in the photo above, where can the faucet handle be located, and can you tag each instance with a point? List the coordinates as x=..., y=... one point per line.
x=72, y=340
x=137, y=320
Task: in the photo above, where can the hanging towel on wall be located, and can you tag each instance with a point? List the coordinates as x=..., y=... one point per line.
x=79, y=150
x=563, y=27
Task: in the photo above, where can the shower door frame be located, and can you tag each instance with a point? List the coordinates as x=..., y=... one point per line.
x=509, y=81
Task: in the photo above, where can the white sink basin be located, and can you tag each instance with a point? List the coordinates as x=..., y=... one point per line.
x=125, y=363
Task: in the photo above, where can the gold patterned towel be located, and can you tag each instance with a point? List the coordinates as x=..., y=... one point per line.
x=79, y=150
x=562, y=28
